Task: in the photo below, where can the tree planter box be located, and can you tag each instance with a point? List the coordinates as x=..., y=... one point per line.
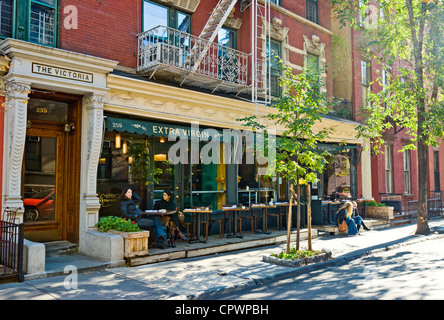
x=135, y=243
x=324, y=256
x=379, y=212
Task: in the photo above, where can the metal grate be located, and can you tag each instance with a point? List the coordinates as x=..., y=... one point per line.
x=11, y=250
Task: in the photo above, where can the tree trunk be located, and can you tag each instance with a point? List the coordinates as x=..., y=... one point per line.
x=310, y=248
x=289, y=218
x=422, y=225
x=417, y=30
x=298, y=217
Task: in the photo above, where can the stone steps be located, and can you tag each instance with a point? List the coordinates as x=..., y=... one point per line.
x=56, y=248
x=400, y=220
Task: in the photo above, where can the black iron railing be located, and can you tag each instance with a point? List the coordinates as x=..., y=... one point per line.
x=434, y=204
x=11, y=250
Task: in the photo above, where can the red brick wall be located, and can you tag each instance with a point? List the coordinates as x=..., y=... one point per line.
x=108, y=29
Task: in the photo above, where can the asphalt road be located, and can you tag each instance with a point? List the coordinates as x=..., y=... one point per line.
x=414, y=272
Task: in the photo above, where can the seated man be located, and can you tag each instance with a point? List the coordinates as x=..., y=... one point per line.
x=130, y=211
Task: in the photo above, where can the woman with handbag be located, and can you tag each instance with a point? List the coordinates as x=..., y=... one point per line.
x=344, y=214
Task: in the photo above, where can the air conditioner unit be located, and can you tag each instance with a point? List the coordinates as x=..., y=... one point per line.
x=165, y=54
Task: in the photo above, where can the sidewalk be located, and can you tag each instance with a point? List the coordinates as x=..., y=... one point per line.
x=196, y=278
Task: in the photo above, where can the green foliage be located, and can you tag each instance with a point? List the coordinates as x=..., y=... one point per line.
x=294, y=254
x=117, y=223
x=299, y=108
x=405, y=35
x=373, y=203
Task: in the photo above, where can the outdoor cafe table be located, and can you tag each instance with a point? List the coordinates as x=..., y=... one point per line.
x=161, y=212
x=264, y=208
x=196, y=213
x=236, y=211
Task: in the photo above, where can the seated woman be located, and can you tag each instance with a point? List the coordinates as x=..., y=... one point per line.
x=167, y=203
x=345, y=213
x=129, y=210
x=358, y=220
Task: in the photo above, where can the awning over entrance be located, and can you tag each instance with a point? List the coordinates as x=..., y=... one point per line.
x=157, y=129
x=334, y=148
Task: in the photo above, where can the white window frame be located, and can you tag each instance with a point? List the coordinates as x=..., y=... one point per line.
x=407, y=176
x=388, y=168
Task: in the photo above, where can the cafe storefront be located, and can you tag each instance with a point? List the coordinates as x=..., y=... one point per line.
x=146, y=156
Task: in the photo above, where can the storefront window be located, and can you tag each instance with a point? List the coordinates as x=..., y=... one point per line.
x=336, y=182
x=142, y=163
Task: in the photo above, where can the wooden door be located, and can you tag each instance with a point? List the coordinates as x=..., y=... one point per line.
x=51, y=168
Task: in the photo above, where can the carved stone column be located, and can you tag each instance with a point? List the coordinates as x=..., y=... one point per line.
x=92, y=134
x=16, y=102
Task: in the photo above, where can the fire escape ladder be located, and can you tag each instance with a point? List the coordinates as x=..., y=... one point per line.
x=210, y=31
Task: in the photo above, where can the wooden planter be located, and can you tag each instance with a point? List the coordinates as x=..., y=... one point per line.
x=385, y=213
x=135, y=243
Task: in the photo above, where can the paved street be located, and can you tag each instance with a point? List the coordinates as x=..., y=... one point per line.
x=391, y=263
x=414, y=272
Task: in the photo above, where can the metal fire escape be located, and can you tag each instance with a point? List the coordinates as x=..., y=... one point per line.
x=199, y=61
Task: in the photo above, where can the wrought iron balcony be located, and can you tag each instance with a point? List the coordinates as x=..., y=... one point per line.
x=175, y=55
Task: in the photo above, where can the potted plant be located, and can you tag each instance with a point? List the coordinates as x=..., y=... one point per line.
x=378, y=210
x=135, y=239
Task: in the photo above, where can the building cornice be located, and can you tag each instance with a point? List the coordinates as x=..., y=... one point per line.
x=300, y=19
x=168, y=103
x=22, y=49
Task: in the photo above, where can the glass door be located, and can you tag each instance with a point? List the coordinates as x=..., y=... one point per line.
x=42, y=198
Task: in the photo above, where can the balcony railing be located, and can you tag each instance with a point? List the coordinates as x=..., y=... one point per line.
x=190, y=60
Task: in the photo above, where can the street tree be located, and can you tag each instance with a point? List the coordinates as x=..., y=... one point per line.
x=408, y=33
x=295, y=113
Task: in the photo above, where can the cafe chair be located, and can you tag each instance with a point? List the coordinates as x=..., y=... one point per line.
x=220, y=222
x=282, y=216
x=229, y=219
x=257, y=217
x=204, y=222
x=246, y=217
x=189, y=225
x=276, y=215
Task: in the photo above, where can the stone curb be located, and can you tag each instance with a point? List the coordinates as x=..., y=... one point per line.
x=294, y=271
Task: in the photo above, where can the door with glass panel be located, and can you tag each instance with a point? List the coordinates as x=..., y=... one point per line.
x=51, y=166
x=42, y=184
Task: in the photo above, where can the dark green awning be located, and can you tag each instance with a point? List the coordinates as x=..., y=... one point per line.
x=157, y=129
x=334, y=148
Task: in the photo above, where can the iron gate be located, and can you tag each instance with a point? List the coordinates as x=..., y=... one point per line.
x=11, y=250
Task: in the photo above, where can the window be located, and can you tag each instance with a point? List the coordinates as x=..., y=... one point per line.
x=227, y=67
x=32, y=20
x=278, y=2
x=436, y=170
x=6, y=12
x=388, y=169
x=385, y=74
x=275, y=69
x=313, y=66
x=312, y=10
x=156, y=15
x=407, y=185
x=365, y=75
x=42, y=22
